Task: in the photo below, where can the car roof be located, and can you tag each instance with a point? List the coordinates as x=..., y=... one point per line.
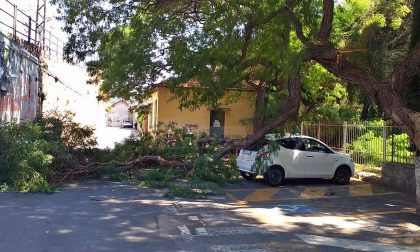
x=292, y=136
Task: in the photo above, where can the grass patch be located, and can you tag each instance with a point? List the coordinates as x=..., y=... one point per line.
x=158, y=178
x=193, y=189
x=361, y=168
x=179, y=192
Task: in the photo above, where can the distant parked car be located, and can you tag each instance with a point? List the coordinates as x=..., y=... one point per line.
x=294, y=157
x=127, y=124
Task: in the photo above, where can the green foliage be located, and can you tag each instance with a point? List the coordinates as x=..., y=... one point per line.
x=324, y=97
x=177, y=192
x=368, y=148
x=25, y=163
x=382, y=27
x=220, y=44
x=169, y=142
x=206, y=169
x=163, y=175
x=31, y=153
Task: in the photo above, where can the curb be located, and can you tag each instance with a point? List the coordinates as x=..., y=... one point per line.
x=368, y=177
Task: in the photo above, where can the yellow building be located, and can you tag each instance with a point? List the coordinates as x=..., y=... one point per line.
x=231, y=119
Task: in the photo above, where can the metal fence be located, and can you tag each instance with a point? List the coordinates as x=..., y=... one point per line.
x=369, y=143
x=23, y=27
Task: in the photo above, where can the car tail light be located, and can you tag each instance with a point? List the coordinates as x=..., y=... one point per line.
x=264, y=154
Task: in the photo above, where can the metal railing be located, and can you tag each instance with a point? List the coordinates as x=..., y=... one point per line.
x=369, y=143
x=22, y=27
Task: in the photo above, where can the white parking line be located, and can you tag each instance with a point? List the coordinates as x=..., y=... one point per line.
x=201, y=231
x=239, y=248
x=185, y=232
x=172, y=210
x=194, y=218
x=221, y=217
x=354, y=244
x=236, y=231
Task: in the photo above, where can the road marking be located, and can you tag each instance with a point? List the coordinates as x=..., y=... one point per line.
x=201, y=231
x=220, y=217
x=172, y=210
x=243, y=203
x=185, y=233
x=239, y=248
x=353, y=244
x=193, y=218
x=236, y=231
x=405, y=210
x=262, y=195
x=360, y=190
x=313, y=193
x=259, y=247
x=234, y=199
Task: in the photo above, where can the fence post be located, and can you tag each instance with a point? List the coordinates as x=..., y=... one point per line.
x=301, y=128
x=319, y=131
x=29, y=29
x=14, y=21
x=345, y=136
x=56, y=48
x=384, y=142
x=392, y=144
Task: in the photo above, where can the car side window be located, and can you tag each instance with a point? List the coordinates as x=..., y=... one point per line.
x=288, y=143
x=300, y=145
x=314, y=146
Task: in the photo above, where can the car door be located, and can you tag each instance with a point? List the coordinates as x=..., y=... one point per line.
x=291, y=157
x=318, y=159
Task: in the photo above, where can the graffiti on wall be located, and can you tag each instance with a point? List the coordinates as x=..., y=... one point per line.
x=19, y=83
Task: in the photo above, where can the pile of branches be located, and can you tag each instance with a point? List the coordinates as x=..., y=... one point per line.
x=140, y=163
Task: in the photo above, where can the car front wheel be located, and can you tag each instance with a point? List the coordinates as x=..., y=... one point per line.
x=274, y=176
x=342, y=175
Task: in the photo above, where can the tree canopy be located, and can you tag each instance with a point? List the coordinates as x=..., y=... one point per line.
x=269, y=45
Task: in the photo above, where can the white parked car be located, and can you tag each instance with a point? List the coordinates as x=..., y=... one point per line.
x=127, y=124
x=294, y=157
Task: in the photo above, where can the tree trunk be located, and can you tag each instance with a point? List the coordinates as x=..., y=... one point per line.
x=293, y=103
x=417, y=172
x=260, y=103
x=386, y=95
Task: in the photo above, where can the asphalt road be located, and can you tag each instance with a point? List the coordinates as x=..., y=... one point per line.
x=302, y=215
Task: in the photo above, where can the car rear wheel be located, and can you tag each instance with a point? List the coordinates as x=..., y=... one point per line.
x=274, y=176
x=247, y=176
x=342, y=175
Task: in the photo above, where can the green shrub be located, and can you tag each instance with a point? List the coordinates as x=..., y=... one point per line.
x=206, y=169
x=368, y=148
x=31, y=153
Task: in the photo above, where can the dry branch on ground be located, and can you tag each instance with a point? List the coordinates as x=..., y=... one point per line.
x=143, y=162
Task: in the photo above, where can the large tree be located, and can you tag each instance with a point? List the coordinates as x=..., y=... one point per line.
x=224, y=44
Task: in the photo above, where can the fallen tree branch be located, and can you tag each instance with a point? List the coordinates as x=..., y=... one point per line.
x=139, y=163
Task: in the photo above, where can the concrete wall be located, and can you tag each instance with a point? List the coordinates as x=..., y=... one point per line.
x=19, y=85
x=241, y=109
x=399, y=176
x=65, y=89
